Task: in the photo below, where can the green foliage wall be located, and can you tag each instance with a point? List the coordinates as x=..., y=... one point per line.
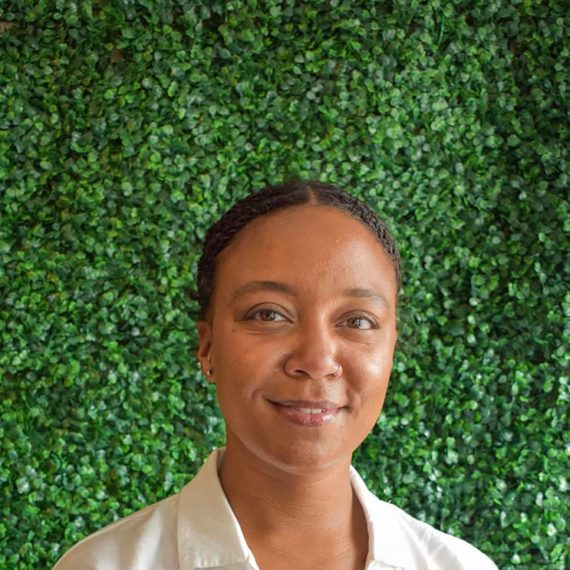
x=127, y=126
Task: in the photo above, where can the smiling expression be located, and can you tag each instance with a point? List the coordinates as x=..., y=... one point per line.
x=301, y=331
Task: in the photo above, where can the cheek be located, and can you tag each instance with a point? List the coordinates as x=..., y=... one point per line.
x=238, y=371
x=373, y=373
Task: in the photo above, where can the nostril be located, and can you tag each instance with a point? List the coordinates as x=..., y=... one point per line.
x=315, y=370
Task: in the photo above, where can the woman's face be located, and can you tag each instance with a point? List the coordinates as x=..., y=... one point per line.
x=301, y=334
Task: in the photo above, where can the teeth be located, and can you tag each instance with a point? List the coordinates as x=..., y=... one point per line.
x=312, y=410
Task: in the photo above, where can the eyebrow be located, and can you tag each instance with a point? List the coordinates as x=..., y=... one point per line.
x=257, y=286
x=364, y=293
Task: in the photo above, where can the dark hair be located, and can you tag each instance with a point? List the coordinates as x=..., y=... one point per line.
x=279, y=197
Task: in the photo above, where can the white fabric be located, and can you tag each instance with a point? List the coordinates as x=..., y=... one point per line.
x=196, y=529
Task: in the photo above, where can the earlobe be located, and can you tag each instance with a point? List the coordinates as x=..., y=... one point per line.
x=204, y=354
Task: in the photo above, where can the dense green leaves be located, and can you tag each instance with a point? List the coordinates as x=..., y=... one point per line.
x=126, y=127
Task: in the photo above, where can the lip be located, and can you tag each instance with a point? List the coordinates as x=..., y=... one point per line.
x=307, y=413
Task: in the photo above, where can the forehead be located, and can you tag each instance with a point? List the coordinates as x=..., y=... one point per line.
x=313, y=248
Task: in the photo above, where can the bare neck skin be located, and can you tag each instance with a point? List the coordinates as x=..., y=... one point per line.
x=307, y=520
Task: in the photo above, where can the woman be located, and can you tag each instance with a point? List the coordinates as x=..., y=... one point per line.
x=298, y=289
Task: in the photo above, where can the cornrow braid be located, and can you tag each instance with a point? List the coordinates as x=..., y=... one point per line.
x=272, y=199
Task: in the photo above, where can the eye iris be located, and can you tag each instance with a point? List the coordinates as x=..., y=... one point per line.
x=267, y=315
x=359, y=323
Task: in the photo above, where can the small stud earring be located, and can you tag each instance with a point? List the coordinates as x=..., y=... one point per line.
x=210, y=370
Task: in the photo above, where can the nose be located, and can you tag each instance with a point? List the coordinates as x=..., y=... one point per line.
x=314, y=354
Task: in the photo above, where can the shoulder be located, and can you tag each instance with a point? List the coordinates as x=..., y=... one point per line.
x=401, y=540
x=150, y=539
x=434, y=547
x=137, y=540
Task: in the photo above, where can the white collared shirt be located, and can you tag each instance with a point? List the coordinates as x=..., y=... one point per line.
x=196, y=529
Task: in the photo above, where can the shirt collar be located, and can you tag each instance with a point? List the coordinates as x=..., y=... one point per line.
x=386, y=536
x=209, y=534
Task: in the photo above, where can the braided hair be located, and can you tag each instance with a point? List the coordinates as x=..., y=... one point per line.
x=279, y=197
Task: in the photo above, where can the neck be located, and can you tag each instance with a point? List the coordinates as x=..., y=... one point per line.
x=269, y=500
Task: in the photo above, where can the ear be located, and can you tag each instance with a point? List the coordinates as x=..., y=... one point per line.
x=205, y=346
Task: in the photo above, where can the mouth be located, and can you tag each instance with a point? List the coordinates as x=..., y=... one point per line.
x=307, y=413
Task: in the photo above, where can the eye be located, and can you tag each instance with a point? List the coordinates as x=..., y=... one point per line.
x=360, y=322
x=265, y=315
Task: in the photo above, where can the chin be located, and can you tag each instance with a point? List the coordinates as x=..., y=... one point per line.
x=301, y=458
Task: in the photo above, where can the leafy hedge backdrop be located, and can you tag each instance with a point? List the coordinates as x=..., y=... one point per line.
x=127, y=126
